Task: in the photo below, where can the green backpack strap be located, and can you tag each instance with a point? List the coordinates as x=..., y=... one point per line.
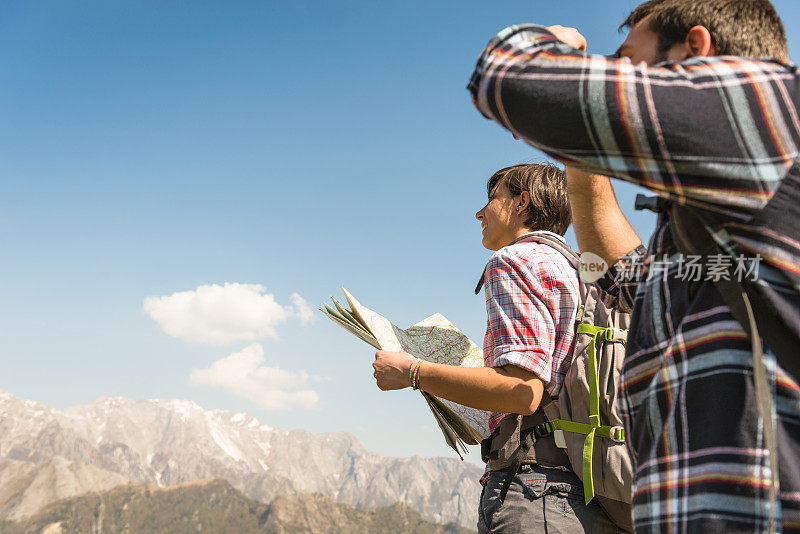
x=593, y=428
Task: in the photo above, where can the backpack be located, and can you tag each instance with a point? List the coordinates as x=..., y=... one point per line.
x=581, y=428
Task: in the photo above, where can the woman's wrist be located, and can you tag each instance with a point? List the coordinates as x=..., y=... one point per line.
x=413, y=372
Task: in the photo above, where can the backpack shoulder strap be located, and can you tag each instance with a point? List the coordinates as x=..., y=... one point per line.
x=574, y=261
x=692, y=236
x=563, y=248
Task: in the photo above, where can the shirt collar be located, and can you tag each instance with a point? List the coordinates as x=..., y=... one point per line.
x=538, y=232
x=521, y=239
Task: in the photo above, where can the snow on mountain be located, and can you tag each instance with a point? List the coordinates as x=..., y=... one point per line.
x=169, y=442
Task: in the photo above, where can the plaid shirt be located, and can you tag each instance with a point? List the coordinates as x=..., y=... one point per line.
x=531, y=301
x=716, y=132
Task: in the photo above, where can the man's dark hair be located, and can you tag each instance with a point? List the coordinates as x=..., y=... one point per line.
x=745, y=28
x=547, y=186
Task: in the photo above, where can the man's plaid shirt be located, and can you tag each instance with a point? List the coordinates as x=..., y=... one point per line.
x=532, y=298
x=716, y=132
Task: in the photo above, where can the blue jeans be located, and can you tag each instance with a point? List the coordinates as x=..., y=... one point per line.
x=540, y=500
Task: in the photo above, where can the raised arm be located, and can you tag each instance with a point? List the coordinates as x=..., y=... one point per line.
x=647, y=125
x=600, y=226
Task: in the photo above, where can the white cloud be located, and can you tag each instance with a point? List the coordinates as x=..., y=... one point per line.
x=222, y=314
x=301, y=309
x=242, y=374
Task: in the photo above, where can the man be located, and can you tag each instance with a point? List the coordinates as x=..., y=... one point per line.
x=532, y=296
x=717, y=133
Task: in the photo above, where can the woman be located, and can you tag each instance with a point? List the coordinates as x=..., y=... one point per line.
x=531, y=302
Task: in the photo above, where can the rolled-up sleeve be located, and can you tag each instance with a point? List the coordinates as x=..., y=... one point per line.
x=520, y=325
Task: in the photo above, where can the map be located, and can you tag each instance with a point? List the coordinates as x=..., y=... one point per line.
x=434, y=339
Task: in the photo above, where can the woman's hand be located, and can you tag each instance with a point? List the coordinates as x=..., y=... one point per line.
x=392, y=369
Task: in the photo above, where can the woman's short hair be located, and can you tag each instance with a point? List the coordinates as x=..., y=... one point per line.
x=547, y=186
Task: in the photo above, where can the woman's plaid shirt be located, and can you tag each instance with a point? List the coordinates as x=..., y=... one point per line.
x=716, y=132
x=531, y=302
x=532, y=297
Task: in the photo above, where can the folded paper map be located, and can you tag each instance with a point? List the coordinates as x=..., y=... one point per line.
x=434, y=339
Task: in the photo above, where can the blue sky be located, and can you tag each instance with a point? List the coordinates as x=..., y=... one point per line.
x=150, y=148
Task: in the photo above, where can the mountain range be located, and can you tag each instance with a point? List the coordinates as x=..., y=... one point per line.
x=48, y=454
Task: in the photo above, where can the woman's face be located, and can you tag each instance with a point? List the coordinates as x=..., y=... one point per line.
x=499, y=218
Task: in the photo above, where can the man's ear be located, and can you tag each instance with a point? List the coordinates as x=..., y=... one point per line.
x=698, y=42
